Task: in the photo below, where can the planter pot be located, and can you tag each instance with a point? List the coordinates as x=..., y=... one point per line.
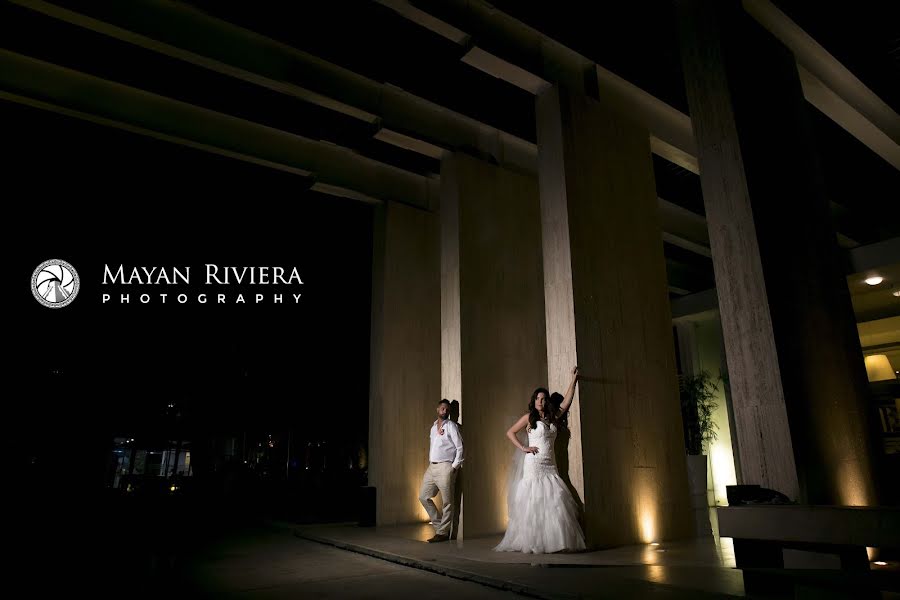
x=696, y=468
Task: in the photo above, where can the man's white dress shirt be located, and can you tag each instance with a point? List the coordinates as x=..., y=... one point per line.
x=447, y=447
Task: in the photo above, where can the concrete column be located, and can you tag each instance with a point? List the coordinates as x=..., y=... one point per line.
x=492, y=321
x=797, y=379
x=405, y=357
x=608, y=311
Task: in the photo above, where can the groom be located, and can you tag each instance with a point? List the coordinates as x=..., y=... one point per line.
x=446, y=457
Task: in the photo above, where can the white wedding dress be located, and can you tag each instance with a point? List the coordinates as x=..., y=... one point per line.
x=543, y=516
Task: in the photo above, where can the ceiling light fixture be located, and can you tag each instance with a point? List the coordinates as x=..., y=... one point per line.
x=874, y=280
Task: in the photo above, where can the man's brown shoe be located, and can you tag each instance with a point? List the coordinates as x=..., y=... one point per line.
x=438, y=537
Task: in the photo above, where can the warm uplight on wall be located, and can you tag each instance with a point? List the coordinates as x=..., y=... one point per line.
x=879, y=368
x=721, y=462
x=647, y=523
x=853, y=487
x=874, y=280
x=501, y=507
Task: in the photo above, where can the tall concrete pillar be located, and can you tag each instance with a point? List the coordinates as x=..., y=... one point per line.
x=492, y=321
x=797, y=380
x=608, y=311
x=405, y=367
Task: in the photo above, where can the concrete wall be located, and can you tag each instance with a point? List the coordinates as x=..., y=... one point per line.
x=494, y=349
x=608, y=309
x=405, y=357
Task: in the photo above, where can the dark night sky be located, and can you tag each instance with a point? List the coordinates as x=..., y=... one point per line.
x=93, y=195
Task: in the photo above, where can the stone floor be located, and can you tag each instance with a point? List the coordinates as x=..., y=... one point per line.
x=695, y=569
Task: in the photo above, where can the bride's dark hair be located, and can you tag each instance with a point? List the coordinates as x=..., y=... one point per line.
x=534, y=414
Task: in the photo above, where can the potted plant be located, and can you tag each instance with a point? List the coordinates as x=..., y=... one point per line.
x=697, y=404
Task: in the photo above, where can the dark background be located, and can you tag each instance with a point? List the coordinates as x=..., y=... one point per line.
x=87, y=374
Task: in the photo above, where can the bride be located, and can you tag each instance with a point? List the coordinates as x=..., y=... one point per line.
x=543, y=516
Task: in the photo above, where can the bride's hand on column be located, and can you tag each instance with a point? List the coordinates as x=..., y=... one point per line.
x=570, y=393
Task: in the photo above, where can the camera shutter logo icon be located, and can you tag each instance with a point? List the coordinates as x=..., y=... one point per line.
x=55, y=283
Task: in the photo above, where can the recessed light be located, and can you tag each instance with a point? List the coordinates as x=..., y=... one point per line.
x=897, y=293
x=874, y=280
x=880, y=563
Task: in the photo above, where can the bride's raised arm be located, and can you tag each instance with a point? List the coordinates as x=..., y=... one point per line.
x=570, y=393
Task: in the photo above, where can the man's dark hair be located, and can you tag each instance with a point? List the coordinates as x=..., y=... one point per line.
x=444, y=401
